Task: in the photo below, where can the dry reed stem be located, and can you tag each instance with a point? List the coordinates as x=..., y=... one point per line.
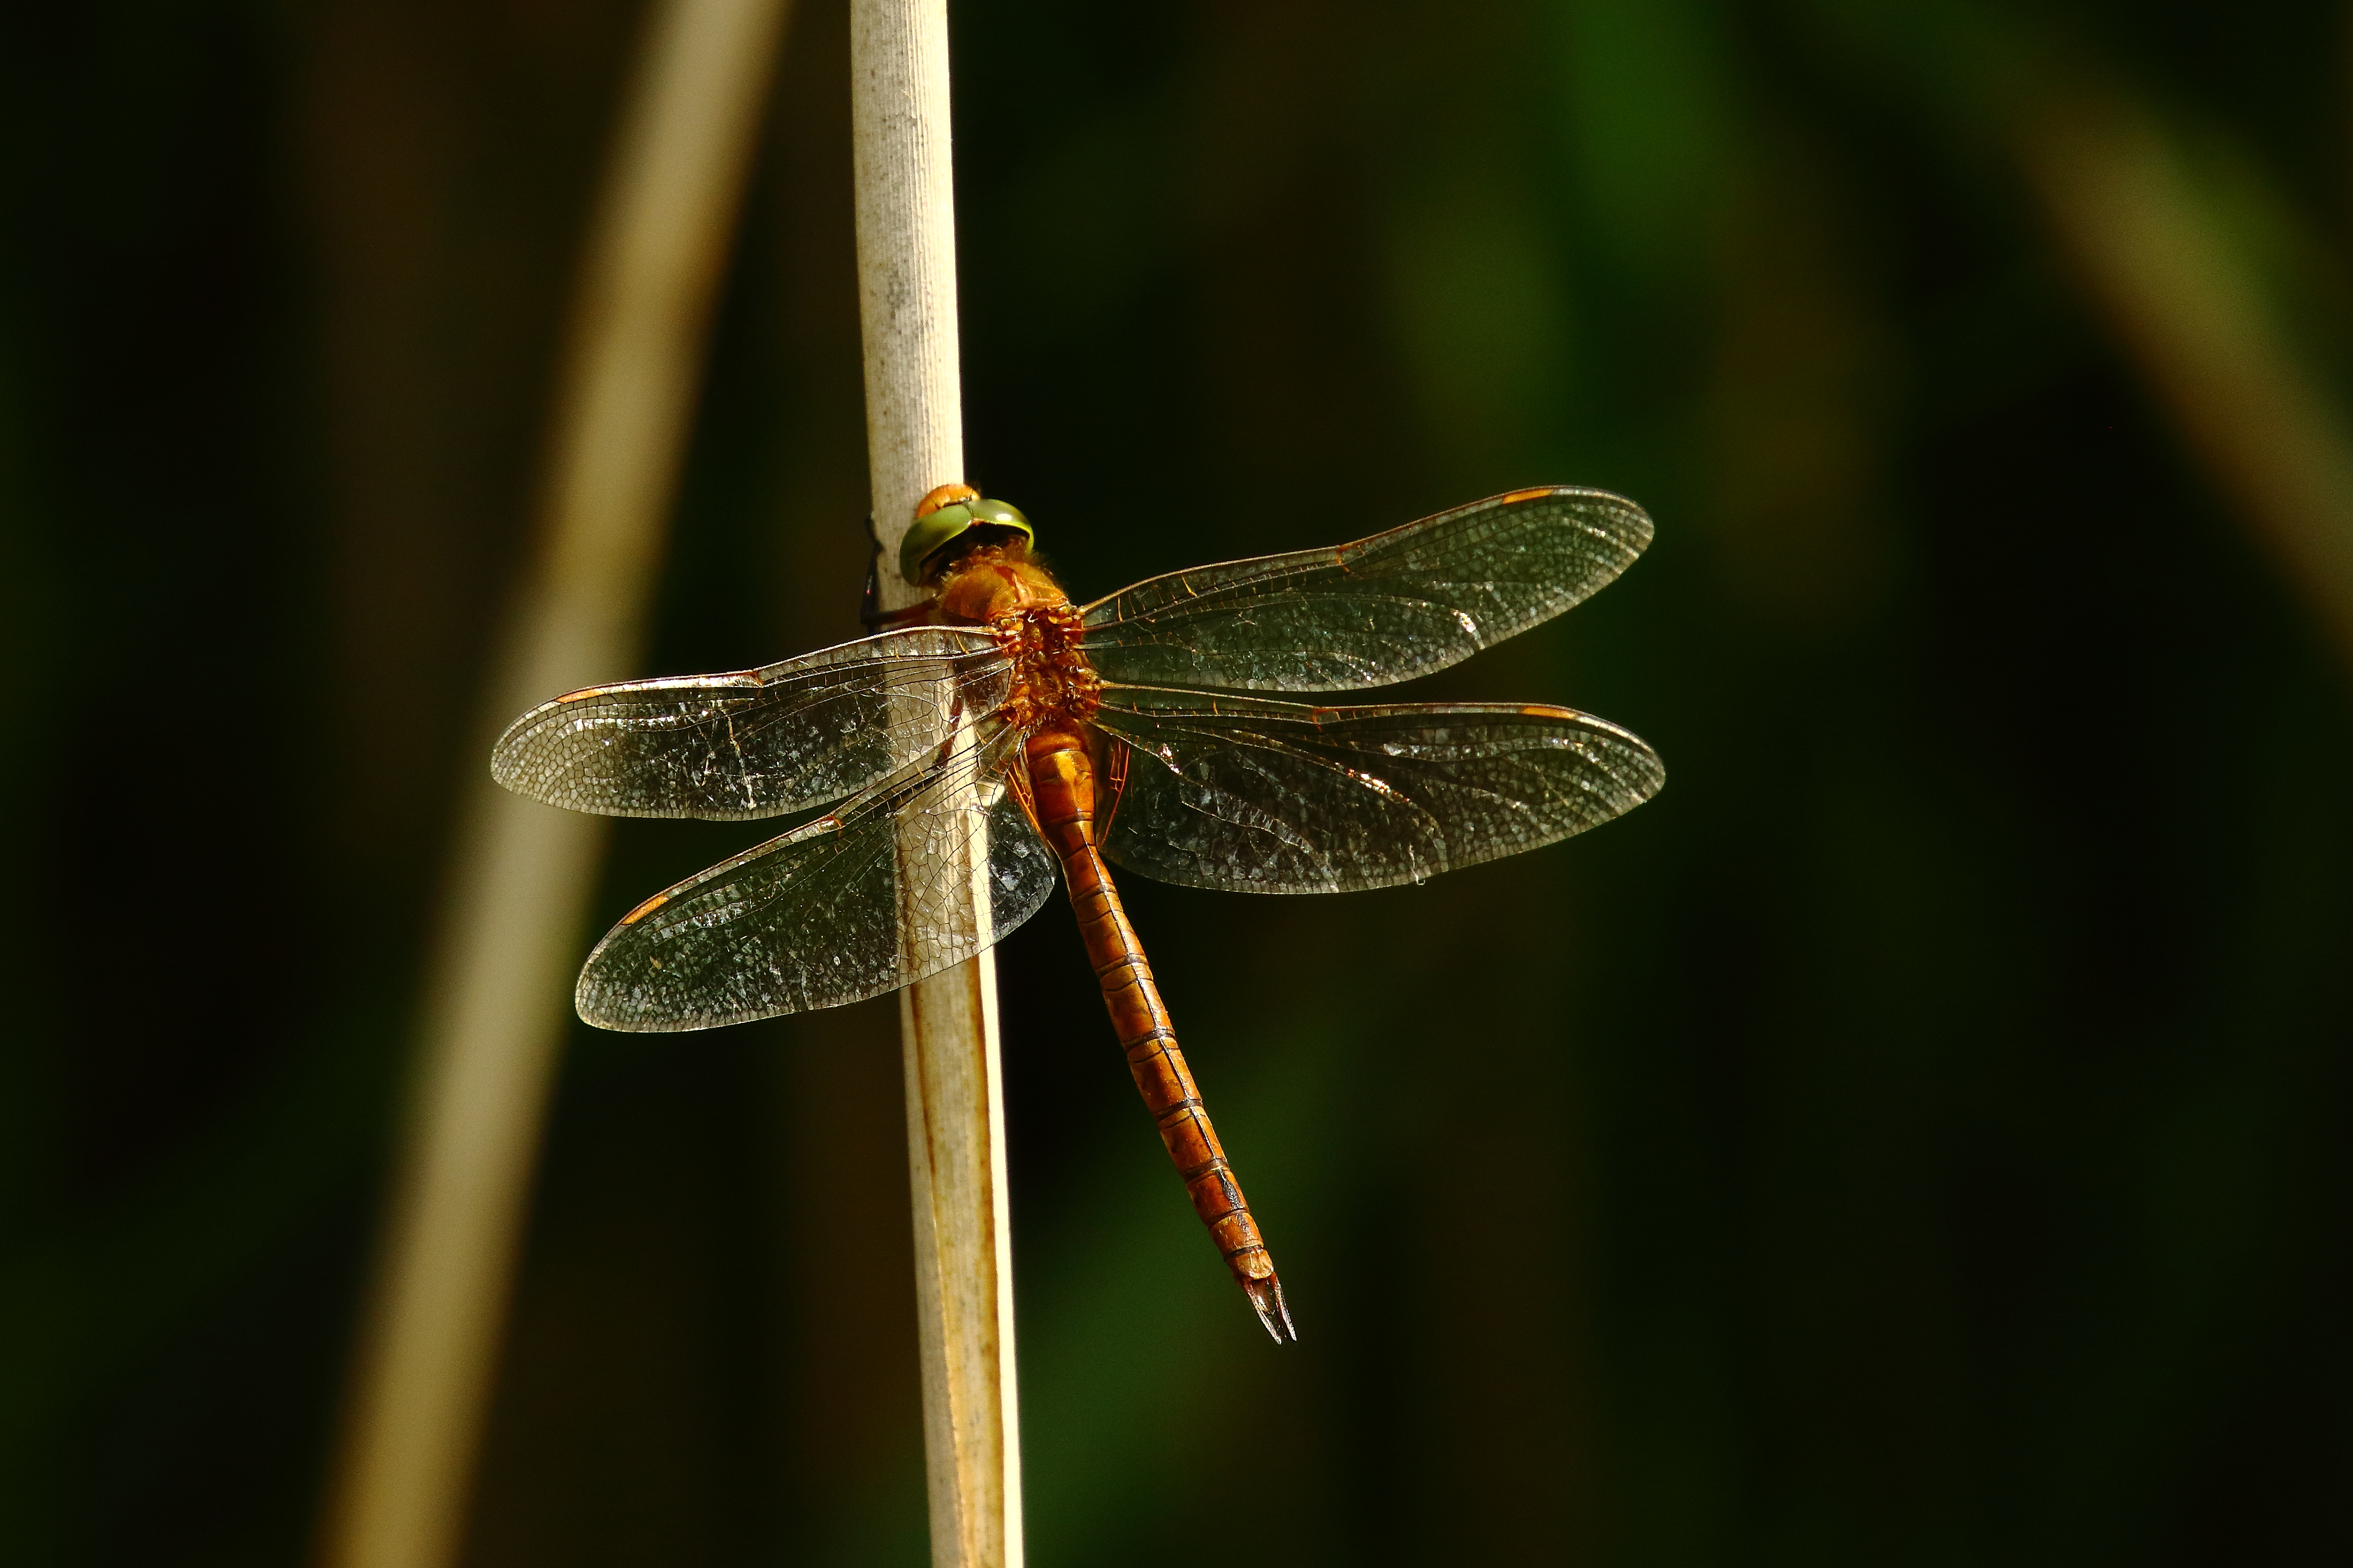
x=522, y=875
x=956, y=1122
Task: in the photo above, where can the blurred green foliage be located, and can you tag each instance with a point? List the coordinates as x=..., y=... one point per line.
x=1915, y=1137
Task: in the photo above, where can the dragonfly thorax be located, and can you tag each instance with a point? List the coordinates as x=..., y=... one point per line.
x=1054, y=684
x=1004, y=588
x=992, y=581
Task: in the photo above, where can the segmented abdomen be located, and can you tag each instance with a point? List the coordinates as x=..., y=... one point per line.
x=1063, y=794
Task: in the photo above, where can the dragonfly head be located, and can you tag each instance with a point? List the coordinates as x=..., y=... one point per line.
x=954, y=515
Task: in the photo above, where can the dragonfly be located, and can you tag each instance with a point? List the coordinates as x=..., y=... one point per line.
x=999, y=738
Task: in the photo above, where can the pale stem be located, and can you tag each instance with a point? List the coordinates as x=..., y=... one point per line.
x=956, y=1120
x=522, y=875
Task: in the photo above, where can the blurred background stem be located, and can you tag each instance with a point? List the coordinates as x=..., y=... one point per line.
x=2156, y=256
x=521, y=875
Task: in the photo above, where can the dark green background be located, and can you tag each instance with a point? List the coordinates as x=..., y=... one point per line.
x=1918, y=1137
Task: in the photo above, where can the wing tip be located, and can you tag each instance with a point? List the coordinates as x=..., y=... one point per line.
x=1636, y=530
x=508, y=750
x=602, y=1006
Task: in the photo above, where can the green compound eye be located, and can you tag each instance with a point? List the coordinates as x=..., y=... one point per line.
x=936, y=530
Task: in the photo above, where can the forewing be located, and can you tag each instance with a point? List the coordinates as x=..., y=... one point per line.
x=754, y=742
x=1255, y=796
x=1384, y=609
x=816, y=918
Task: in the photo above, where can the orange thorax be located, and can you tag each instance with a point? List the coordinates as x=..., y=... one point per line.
x=999, y=586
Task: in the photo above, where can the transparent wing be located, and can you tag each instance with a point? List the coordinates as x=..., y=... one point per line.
x=754, y=742
x=816, y=918
x=1255, y=796
x=1384, y=609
